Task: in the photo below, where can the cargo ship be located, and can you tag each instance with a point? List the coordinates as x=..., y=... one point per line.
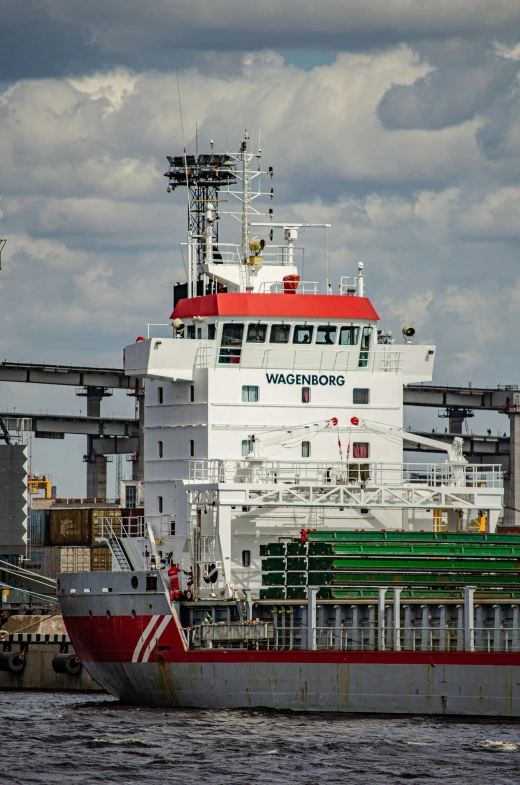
x=289, y=558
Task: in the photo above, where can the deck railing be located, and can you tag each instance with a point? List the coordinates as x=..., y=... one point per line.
x=309, y=359
x=352, y=473
x=263, y=636
x=231, y=253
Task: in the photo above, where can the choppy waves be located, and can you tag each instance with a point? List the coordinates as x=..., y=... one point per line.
x=64, y=739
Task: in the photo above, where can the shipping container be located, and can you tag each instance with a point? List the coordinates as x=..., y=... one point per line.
x=74, y=559
x=37, y=528
x=69, y=526
x=98, y=528
x=100, y=558
x=45, y=561
x=81, y=525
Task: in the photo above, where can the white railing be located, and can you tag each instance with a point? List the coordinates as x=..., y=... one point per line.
x=280, y=287
x=353, y=473
x=130, y=530
x=286, y=358
x=348, y=285
x=262, y=635
x=231, y=253
x=122, y=527
x=165, y=524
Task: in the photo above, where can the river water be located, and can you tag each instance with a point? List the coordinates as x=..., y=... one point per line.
x=75, y=739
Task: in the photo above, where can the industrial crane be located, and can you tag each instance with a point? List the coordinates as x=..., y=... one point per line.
x=454, y=450
x=256, y=443
x=36, y=483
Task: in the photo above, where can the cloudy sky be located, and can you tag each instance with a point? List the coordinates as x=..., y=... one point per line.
x=398, y=121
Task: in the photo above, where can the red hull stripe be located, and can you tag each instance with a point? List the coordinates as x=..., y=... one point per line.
x=115, y=640
x=305, y=306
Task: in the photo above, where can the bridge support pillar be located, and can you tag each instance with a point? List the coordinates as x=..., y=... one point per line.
x=96, y=476
x=96, y=464
x=512, y=479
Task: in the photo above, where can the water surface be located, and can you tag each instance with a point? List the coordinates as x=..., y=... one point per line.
x=75, y=739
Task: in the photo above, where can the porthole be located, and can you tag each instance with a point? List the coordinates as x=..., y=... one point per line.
x=91, y=614
x=134, y=582
x=108, y=614
x=133, y=614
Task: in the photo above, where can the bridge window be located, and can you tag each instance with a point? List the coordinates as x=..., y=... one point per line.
x=160, y=503
x=306, y=449
x=360, y=395
x=360, y=450
x=211, y=332
x=160, y=393
x=302, y=333
x=326, y=334
x=192, y=393
x=280, y=333
x=231, y=344
x=246, y=558
x=349, y=336
x=160, y=449
x=199, y=333
x=192, y=447
x=250, y=393
x=256, y=333
x=191, y=331
x=306, y=394
x=246, y=447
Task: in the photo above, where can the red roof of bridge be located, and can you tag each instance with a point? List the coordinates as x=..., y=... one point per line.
x=302, y=306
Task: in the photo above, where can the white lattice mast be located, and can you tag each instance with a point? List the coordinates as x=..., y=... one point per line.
x=246, y=196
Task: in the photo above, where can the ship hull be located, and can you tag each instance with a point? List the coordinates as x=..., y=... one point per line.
x=132, y=644
x=392, y=685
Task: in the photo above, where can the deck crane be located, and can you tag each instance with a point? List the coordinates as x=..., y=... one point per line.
x=454, y=450
x=256, y=443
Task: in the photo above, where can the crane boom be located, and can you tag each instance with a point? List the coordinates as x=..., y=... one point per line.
x=454, y=450
x=288, y=434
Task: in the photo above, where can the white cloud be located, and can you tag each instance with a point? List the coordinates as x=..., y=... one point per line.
x=93, y=237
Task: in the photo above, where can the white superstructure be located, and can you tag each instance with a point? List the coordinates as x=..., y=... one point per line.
x=241, y=443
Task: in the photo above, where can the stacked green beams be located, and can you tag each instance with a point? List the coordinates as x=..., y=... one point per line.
x=344, y=565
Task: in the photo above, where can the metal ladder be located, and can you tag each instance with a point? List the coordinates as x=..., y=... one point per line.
x=316, y=518
x=119, y=554
x=243, y=276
